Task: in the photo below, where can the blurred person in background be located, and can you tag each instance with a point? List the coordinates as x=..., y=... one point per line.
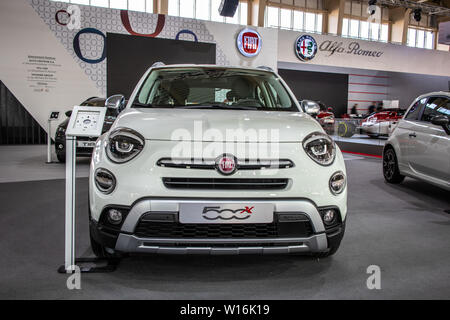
x=380, y=106
x=371, y=108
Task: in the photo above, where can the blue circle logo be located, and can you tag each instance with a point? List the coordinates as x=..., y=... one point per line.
x=305, y=47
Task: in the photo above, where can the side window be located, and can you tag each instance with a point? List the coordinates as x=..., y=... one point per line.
x=260, y=96
x=414, y=111
x=279, y=96
x=273, y=94
x=436, y=106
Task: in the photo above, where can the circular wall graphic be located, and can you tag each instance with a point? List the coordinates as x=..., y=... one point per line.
x=249, y=42
x=305, y=47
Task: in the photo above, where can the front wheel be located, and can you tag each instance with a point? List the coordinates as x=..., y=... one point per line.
x=98, y=249
x=61, y=157
x=390, y=167
x=101, y=251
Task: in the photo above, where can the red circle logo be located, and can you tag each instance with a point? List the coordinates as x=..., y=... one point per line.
x=249, y=42
x=226, y=164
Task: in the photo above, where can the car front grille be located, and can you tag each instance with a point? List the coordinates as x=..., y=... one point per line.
x=151, y=229
x=225, y=183
x=243, y=164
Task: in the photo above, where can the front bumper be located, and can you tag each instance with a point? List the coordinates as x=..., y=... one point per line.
x=131, y=243
x=127, y=239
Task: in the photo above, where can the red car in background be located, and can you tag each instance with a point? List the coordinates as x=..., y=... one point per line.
x=381, y=123
x=326, y=117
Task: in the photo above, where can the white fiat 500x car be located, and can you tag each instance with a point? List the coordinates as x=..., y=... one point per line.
x=419, y=147
x=215, y=160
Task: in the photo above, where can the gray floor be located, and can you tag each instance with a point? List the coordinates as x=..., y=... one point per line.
x=403, y=229
x=19, y=163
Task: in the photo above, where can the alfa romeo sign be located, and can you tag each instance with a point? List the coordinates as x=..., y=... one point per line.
x=249, y=42
x=305, y=47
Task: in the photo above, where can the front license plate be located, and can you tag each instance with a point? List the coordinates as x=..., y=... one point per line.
x=226, y=213
x=85, y=144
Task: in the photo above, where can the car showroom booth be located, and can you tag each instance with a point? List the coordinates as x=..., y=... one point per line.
x=366, y=86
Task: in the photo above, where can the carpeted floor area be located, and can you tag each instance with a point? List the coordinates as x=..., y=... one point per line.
x=403, y=229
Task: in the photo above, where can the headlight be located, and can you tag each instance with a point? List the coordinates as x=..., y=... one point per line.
x=337, y=182
x=104, y=180
x=123, y=145
x=320, y=147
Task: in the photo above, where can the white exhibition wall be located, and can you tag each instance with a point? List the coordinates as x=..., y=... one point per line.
x=48, y=69
x=40, y=64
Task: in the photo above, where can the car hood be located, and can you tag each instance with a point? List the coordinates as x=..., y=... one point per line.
x=217, y=125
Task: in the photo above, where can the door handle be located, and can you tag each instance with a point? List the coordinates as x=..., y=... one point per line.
x=412, y=135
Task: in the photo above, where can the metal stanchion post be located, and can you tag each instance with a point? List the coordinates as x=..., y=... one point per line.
x=49, y=142
x=71, y=150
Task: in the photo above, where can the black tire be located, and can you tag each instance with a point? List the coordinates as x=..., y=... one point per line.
x=391, y=172
x=61, y=158
x=345, y=130
x=100, y=251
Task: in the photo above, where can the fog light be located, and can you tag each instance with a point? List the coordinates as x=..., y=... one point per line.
x=329, y=216
x=337, y=182
x=105, y=180
x=114, y=216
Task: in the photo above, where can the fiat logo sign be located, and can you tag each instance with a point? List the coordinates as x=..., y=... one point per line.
x=226, y=164
x=249, y=42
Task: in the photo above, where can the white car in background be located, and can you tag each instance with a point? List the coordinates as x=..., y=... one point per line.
x=419, y=147
x=381, y=123
x=150, y=194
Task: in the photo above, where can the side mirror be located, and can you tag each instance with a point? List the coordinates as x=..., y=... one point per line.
x=116, y=102
x=310, y=107
x=442, y=121
x=68, y=113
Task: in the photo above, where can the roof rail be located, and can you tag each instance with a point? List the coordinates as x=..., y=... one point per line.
x=265, y=68
x=158, y=64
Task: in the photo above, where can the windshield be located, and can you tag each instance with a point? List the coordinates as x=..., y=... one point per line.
x=94, y=103
x=98, y=102
x=213, y=88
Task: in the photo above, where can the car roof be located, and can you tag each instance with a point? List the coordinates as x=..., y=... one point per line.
x=213, y=66
x=436, y=93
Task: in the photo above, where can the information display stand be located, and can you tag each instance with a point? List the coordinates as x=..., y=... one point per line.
x=54, y=115
x=85, y=121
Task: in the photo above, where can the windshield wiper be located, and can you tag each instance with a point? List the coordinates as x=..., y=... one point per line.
x=218, y=106
x=244, y=107
x=144, y=105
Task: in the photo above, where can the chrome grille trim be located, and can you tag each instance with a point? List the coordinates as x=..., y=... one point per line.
x=210, y=164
